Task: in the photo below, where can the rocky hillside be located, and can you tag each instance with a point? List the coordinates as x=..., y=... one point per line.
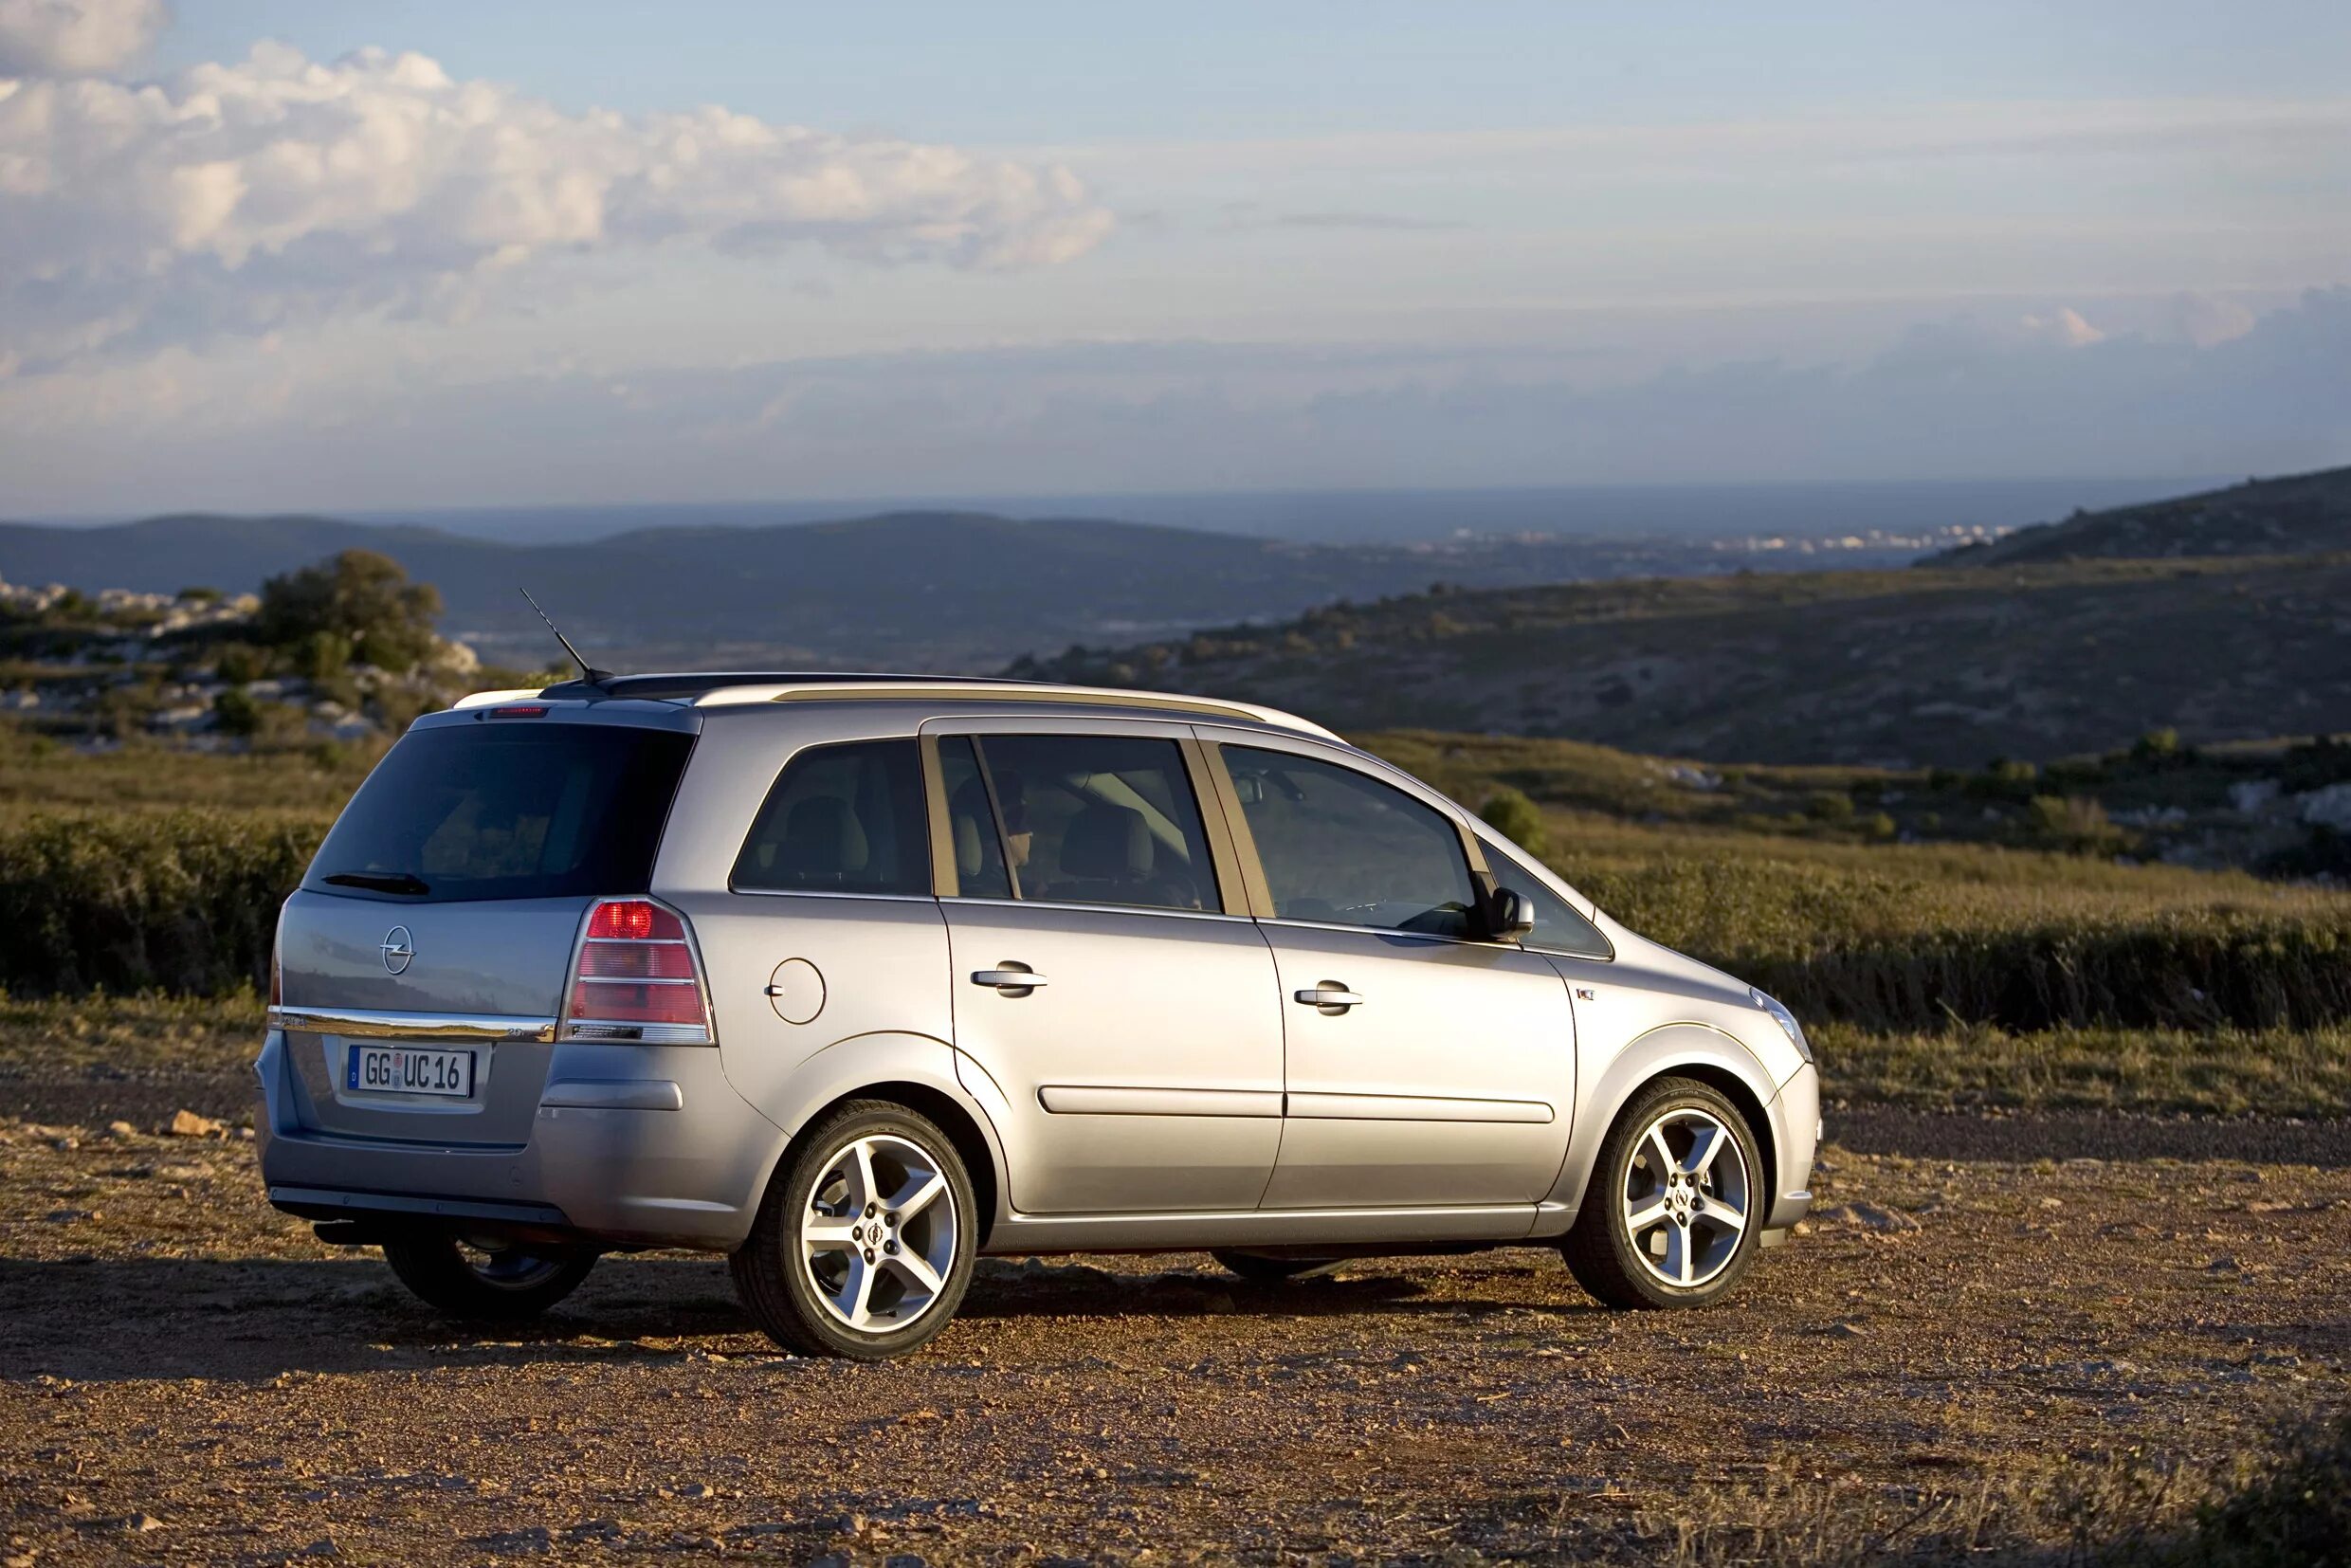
x=1941, y=666
x=2300, y=515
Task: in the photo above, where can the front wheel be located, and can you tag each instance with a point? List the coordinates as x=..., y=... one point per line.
x=1675, y=1207
x=863, y=1246
x=495, y=1285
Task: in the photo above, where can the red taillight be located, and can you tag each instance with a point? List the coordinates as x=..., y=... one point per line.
x=636, y=975
x=635, y=921
x=518, y=712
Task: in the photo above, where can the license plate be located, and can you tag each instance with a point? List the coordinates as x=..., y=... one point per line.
x=404, y=1069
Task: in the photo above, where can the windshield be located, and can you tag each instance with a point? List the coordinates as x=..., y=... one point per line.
x=508, y=809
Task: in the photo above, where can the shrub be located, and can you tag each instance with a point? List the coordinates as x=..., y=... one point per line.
x=362, y=597
x=2295, y=1510
x=184, y=902
x=237, y=662
x=1509, y=812
x=1830, y=805
x=235, y=713
x=2075, y=825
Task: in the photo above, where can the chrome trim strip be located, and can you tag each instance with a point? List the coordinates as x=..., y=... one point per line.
x=828, y=893
x=619, y=1094
x=1124, y=1099
x=370, y=1024
x=1413, y=1107
x=1103, y=909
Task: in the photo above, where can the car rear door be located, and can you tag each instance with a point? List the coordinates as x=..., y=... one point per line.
x=1423, y=1067
x=1108, y=983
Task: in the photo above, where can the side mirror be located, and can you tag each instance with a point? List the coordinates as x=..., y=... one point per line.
x=1509, y=916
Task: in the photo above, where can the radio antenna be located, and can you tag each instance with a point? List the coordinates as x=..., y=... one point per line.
x=588, y=672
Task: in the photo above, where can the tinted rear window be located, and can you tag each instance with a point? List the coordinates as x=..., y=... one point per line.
x=514, y=810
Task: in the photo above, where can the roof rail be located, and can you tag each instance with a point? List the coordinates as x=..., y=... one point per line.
x=1005, y=691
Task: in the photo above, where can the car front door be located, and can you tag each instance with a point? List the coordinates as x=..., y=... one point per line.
x=1126, y=1017
x=1424, y=1067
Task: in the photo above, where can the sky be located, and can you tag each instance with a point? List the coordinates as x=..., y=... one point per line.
x=309, y=254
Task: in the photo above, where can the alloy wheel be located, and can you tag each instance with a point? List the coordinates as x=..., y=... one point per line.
x=1686, y=1196
x=878, y=1236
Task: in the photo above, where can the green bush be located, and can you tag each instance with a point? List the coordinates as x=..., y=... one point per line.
x=184, y=902
x=1509, y=812
x=235, y=712
x=1889, y=951
x=2294, y=1510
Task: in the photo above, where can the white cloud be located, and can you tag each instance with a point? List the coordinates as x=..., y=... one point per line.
x=2204, y=321
x=2064, y=328
x=76, y=37
x=235, y=198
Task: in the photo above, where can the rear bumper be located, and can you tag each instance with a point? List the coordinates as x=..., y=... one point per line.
x=632, y=1145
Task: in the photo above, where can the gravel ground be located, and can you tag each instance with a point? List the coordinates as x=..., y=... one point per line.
x=1954, y=1349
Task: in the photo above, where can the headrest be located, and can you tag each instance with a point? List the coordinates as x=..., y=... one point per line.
x=822, y=838
x=1106, y=841
x=967, y=842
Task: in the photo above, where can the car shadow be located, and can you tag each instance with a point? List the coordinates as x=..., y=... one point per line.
x=125, y=1320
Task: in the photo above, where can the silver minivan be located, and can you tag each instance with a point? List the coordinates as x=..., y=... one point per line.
x=854, y=978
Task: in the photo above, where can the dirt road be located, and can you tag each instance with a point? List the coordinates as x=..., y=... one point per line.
x=1960, y=1350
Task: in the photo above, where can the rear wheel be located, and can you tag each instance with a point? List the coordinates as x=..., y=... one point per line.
x=1675, y=1207
x=1259, y=1269
x=485, y=1284
x=863, y=1246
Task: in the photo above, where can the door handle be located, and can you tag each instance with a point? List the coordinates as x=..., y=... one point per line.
x=1009, y=977
x=1330, y=995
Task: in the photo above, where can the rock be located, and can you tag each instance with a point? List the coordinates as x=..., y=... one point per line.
x=189, y=1124
x=1870, y=1217
x=141, y=1523
x=2326, y=808
x=537, y=1538
x=322, y=1548
x=121, y=1129
x=695, y=1490
x=1844, y=1331
x=64, y=1145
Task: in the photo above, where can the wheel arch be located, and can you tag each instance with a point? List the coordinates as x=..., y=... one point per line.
x=1675, y=1050
x=908, y=1069
x=960, y=1124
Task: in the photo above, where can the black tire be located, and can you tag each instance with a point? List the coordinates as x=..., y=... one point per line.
x=1258, y=1268
x=504, y=1286
x=1614, y=1264
x=780, y=1285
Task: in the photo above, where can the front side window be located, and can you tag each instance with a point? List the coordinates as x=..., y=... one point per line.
x=1340, y=848
x=842, y=819
x=1559, y=926
x=1083, y=819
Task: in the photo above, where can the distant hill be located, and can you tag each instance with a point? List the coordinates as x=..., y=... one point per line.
x=1931, y=666
x=911, y=590
x=2300, y=515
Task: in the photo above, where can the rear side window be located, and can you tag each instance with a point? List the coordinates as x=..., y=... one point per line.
x=1094, y=819
x=514, y=810
x=842, y=819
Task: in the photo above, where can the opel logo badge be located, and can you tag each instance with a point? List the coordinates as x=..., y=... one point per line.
x=396, y=949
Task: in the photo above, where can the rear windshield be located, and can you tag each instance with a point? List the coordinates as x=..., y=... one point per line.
x=513, y=809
